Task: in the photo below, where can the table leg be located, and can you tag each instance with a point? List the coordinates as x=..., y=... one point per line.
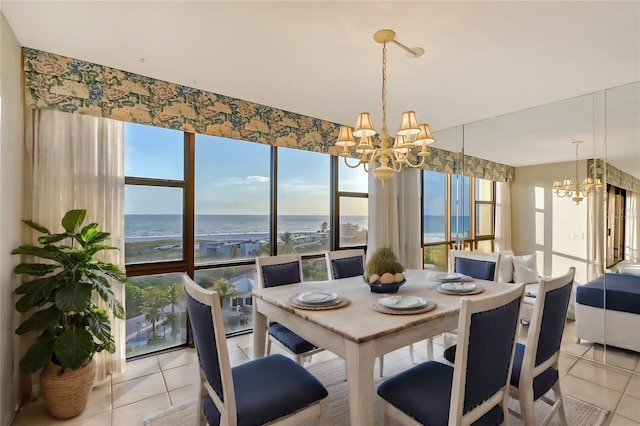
x=360, y=361
x=259, y=327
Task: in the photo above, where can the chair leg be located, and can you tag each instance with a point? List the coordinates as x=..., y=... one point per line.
x=267, y=350
x=300, y=359
x=381, y=365
x=324, y=413
x=558, y=394
x=411, y=353
x=525, y=396
x=429, y=348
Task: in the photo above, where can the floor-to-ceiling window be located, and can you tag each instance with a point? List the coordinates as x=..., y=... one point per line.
x=458, y=212
x=209, y=206
x=155, y=212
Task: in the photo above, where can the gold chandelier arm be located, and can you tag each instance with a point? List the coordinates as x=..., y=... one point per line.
x=346, y=162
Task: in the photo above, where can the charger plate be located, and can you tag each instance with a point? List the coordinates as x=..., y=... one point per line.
x=339, y=302
x=383, y=309
x=479, y=289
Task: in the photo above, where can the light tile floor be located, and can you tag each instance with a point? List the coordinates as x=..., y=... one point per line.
x=154, y=383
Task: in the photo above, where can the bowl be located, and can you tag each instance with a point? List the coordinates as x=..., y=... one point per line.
x=385, y=288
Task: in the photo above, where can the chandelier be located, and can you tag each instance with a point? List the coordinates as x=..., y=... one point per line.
x=575, y=190
x=409, y=147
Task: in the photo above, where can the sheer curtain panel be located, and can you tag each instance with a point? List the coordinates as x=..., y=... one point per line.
x=77, y=162
x=408, y=188
x=383, y=215
x=503, y=216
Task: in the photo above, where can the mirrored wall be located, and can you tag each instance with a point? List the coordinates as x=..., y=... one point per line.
x=593, y=139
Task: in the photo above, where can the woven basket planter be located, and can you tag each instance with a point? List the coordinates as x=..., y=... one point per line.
x=66, y=395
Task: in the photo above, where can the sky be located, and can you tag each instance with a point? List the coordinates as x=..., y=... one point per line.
x=232, y=177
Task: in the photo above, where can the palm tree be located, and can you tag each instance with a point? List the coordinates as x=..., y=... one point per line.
x=324, y=227
x=287, y=243
x=174, y=295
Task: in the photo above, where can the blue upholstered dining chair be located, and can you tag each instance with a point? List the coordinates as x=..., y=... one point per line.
x=345, y=263
x=482, y=266
x=476, y=387
x=281, y=270
x=273, y=390
x=535, y=364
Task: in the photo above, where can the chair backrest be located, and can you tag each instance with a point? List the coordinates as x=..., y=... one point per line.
x=547, y=325
x=205, y=314
x=344, y=263
x=278, y=270
x=486, y=340
x=482, y=266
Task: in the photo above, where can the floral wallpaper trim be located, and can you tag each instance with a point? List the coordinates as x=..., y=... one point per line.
x=71, y=85
x=615, y=176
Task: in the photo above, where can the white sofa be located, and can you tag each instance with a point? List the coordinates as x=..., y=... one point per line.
x=524, y=269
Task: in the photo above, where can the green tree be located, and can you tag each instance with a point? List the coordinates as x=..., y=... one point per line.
x=153, y=302
x=175, y=294
x=287, y=243
x=224, y=288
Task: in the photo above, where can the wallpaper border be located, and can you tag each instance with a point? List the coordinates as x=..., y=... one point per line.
x=71, y=85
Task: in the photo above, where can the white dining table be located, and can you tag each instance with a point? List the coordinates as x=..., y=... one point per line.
x=356, y=332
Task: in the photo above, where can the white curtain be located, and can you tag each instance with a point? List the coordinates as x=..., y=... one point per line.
x=383, y=215
x=408, y=189
x=503, y=217
x=632, y=227
x=77, y=162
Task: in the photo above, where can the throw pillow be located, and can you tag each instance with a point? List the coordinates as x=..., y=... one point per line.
x=505, y=274
x=525, y=269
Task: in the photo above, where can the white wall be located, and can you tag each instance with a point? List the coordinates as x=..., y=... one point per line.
x=552, y=227
x=11, y=205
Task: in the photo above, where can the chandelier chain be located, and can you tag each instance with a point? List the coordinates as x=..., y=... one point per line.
x=384, y=87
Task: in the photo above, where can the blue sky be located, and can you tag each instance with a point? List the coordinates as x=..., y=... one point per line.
x=232, y=177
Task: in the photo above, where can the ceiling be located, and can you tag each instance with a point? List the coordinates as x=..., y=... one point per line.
x=482, y=60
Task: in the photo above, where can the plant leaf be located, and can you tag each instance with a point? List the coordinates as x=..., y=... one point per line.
x=46, y=252
x=40, y=320
x=38, y=354
x=36, y=286
x=110, y=270
x=100, y=326
x=36, y=269
x=73, y=219
x=74, y=347
x=73, y=297
x=53, y=238
x=37, y=227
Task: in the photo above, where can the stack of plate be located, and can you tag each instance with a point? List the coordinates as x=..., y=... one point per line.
x=458, y=287
x=403, y=303
x=449, y=278
x=317, y=298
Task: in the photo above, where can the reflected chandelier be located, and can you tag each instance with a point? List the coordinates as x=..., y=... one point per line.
x=409, y=137
x=575, y=190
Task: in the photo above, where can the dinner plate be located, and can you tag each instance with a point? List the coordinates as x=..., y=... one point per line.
x=458, y=287
x=402, y=302
x=445, y=278
x=316, y=297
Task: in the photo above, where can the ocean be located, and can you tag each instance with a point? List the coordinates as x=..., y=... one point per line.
x=145, y=227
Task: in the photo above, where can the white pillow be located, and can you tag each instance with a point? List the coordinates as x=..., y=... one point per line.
x=525, y=269
x=505, y=273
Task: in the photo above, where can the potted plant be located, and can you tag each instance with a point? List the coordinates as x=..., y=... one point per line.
x=71, y=326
